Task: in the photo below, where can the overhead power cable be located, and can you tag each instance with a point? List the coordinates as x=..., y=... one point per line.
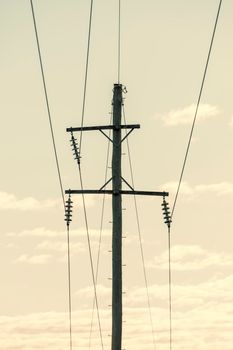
x=68, y=219
x=47, y=103
x=86, y=72
x=119, y=40
x=80, y=171
x=170, y=286
x=197, y=107
x=140, y=239
x=168, y=220
x=100, y=234
x=90, y=256
x=58, y=168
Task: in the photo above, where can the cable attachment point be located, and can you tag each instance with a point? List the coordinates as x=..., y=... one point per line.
x=166, y=213
x=75, y=148
x=124, y=89
x=68, y=210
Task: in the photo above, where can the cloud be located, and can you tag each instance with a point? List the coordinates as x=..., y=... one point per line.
x=202, y=310
x=43, y=232
x=218, y=189
x=88, y=292
x=231, y=122
x=9, y=201
x=34, y=259
x=186, y=115
x=191, y=258
x=61, y=246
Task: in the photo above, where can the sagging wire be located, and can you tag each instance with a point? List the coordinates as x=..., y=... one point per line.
x=168, y=220
x=68, y=219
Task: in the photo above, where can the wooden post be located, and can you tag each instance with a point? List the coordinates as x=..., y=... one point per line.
x=117, y=221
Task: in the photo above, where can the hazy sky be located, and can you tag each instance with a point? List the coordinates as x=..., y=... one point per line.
x=164, y=49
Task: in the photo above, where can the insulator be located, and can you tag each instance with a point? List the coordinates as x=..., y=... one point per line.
x=68, y=210
x=166, y=213
x=75, y=148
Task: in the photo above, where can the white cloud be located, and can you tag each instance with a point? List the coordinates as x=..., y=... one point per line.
x=34, y=259
x=43, y=232
x=231, y=122
x=10, y=201
x=61, y=246
x=186, y=115
x=191, y=258
x=219, y=189
x=88, y=292
x=203, y=310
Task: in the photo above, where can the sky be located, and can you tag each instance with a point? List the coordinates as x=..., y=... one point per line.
x=164, y=46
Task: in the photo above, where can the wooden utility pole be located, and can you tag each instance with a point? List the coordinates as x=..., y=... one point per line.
x=117, y=221
x=116, y=193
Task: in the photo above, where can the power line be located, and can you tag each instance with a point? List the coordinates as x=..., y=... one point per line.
x=79, y=166
x=197, y=107
x=90, y=256
x=57, y=165
x=119, y=40
x=170, y=286
x=86, y=72
x=100, y=234
x=47, y=103
x=69, y=284
x=140, y=239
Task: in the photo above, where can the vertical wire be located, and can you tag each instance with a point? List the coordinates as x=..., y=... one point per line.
x=80, y=173
x=170, y=286
x=90, y=256
x=100, y=236
x=140, y=241
x=69, y=283
x=119, y=40
x=86, y=73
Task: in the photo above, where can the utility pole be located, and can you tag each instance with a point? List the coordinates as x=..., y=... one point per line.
x=116, y=193
x=117, y=221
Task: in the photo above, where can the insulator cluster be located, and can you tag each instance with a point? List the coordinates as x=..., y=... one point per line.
x=68, y=210
x=166, y=213
x=75, y=148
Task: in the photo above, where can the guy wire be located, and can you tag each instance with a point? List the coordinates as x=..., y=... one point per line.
x=140, y=239
x=90, y=256
x=100, y=235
